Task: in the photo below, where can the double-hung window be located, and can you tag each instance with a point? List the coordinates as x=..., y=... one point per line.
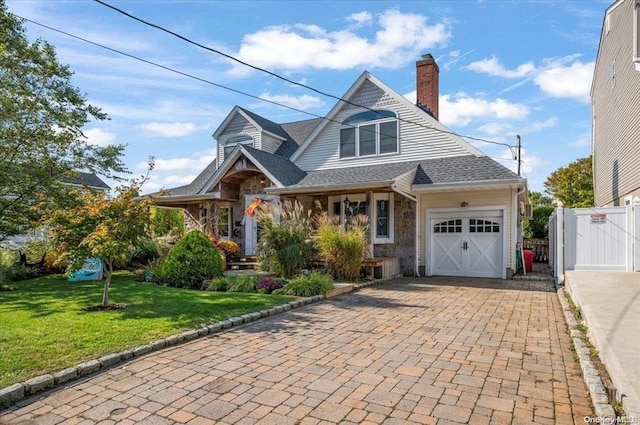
x=369, y=133
x=231, y=143
x=224, y=225
x=382, y=218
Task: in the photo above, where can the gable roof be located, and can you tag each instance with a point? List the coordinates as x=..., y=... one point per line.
x=366, y=76
x=88, y=179
x=279, y=170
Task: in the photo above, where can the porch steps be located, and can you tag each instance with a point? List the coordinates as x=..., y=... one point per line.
x=243, y=263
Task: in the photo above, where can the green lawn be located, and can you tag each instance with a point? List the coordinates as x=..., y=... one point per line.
x=43, y=327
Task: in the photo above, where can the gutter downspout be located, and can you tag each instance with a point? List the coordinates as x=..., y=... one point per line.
x=394, y=187
x=515, y=226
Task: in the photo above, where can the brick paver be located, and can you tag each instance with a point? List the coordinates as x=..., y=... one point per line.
x=429, y=351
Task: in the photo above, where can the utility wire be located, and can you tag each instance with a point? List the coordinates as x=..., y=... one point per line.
x=280, y=77
x=199, y=78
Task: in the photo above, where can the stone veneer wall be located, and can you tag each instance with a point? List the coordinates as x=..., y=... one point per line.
x=404, y=246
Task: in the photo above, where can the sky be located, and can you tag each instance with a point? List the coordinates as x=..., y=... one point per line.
x=507, y=68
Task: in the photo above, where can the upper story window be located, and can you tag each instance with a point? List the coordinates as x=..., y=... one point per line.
x=231, y=143
x=369, y=133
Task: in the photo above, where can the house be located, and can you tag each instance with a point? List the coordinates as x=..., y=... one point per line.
x=81, y=179
x=434, y=201
x=615, y=105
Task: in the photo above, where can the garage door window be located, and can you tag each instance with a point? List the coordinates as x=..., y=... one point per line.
x=451, y=226
x=483, y=226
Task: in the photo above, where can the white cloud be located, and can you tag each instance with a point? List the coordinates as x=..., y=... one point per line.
x=460, y=110
x=496, y=128
x=170, y=129
x=194, y=164
x=304, y=102
x=178, y=180
x=581, y=142
x=99, y=137
x=400, y=38
x=361, y=18
x=573, y=81
x=528, y=164
x=493, y=67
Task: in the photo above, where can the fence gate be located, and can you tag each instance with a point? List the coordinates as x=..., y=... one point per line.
x=594, y=239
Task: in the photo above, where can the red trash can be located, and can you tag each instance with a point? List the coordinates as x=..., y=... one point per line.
x=528, y=260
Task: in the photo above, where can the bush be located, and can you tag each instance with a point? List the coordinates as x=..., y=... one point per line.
x=144, y=253
x=193, y=259
x=268, y=285
x=315, y=283
x=218, y=284
x=286, y=245
x=242, y=283
x=343, y=250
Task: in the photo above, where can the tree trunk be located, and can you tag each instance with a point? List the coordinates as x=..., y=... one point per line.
x=108, y=269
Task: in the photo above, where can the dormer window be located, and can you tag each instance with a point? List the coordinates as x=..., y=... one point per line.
x=369, y=133
x=231, y=143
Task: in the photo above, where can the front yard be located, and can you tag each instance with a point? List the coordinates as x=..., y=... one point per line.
x=43, y=327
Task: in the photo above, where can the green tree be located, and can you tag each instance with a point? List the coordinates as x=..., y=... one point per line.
x=540, y=200
x=573, y=184
x=100, y=226
x=167, y=222
x=41, y=117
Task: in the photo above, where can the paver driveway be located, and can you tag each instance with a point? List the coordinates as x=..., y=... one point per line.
x=431, y=350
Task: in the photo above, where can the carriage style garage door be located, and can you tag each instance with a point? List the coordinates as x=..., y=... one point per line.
x=466, y=244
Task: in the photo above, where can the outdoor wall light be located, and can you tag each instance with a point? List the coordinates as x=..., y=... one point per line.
x=464, y=204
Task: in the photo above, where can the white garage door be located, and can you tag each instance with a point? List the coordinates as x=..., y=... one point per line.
x=467, y=244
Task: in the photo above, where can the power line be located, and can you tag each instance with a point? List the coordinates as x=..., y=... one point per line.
x=280, y=77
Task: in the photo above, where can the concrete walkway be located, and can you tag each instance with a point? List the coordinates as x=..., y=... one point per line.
x=610, y=305
x=427, y=351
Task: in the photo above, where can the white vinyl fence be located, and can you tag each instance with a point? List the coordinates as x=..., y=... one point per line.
x=594, y=239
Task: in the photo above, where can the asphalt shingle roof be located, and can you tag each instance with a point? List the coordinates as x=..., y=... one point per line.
x=282, y=169
x=88, y=179
x=458, y=169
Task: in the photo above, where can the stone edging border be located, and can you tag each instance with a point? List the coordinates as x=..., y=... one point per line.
x=16, y=392
x=590, y=374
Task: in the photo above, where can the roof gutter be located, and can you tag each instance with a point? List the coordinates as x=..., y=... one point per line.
x=458, y=187
x=328, y=188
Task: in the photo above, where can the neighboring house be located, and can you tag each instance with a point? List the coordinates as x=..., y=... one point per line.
x=615, y=102
x=434, y=201
x=82, y=179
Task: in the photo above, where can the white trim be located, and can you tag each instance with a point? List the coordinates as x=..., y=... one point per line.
x=374, y=217
x=488, y=211
x=235, y=111
x=226, y=165
x=464, y=186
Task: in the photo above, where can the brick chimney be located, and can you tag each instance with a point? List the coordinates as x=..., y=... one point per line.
x=427, y=72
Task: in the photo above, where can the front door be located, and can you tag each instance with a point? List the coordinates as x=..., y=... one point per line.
x=251, y=227
x=468, y=244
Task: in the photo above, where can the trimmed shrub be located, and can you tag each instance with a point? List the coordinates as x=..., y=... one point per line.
x=315, y=283
x=242, y=283
x=193, y=259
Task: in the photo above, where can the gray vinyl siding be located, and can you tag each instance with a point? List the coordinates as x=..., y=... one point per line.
x=239, y=126
x=616, y=111
x=416, y=141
